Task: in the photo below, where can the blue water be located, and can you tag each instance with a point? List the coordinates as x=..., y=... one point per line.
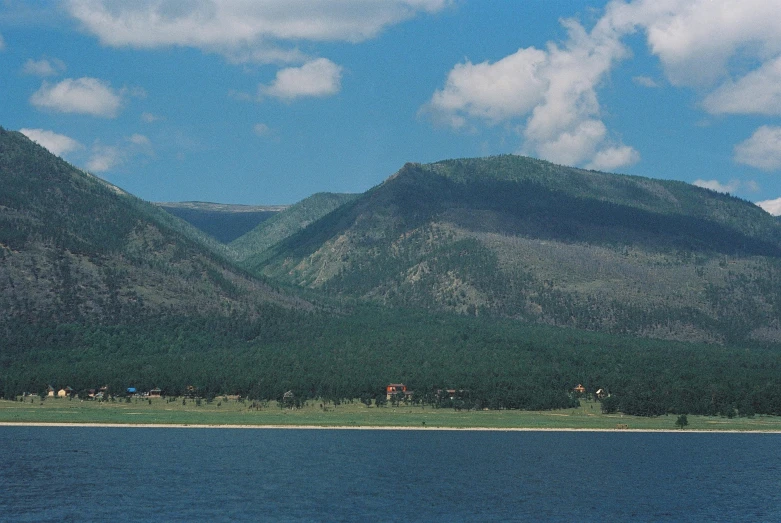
x=146, y=474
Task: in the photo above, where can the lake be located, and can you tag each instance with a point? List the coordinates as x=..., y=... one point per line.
x=188, y=474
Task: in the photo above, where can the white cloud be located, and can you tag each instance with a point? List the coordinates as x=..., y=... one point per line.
x=317, y=78
x=715, y=185
x=730, y=50
x=243, y=30
x=771, y=206
x=611, y=158
x=553, y=93
x=57, y=144
x=645, y=81
x=43, y=67
x=104, y=158
x=497, y=91
x=762, y=149
x=82, y=95
x=698, y=40
x=758, y=92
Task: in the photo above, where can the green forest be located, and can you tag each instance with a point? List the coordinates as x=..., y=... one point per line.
x=491, y=363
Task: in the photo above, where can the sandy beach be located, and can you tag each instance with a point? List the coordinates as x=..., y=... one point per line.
x=342, y=427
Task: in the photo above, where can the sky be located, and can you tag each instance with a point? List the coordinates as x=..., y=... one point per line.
x=268, y=102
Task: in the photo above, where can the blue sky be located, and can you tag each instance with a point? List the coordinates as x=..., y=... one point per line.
x=240, y=101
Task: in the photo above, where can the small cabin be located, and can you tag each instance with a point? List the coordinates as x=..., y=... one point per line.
x=50, y=391
x=395, y=388
x=66, y=392
x=580, y=389
x=155, y=393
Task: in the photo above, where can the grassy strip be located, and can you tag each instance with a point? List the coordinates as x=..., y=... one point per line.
x=232, y=412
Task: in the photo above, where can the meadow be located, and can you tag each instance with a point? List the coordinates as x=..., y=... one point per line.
x=230, y=411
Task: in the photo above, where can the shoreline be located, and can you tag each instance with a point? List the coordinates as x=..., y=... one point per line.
x=368, y=427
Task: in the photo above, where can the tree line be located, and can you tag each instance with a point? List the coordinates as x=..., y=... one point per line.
x=492, y=363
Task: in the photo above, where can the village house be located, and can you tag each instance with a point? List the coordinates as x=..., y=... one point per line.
x=155, y=393
x=580, y=389
x=66, y=392
x=395, y=388
x=399, y=391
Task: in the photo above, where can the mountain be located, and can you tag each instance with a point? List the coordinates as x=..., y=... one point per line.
x=74, y=247
x=224, y=222
x=526, y=239
x=252, y=248
x=100, y=288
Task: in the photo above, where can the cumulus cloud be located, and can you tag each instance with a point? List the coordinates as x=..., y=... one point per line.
x=696, y=40
x=553, y=93
x=715, y=185
x=82, y=95
x=57, y=144
x=729, y=50
x=496, y=91
x=318, y=78
x=242, y=30
x=762, y=149
x=43, y=67
x=771, y=206
x=611, y=158
x=758, y=92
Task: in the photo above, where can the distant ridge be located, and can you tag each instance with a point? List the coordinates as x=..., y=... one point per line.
x=222, y=207
x=254, y=247
x=224, y=222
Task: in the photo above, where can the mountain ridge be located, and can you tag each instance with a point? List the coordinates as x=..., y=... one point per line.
x=75, y=247
x=476, y=235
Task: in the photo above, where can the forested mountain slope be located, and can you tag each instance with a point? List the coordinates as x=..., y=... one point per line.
x=253, y=247
x=100, y=288
x=73, y=247
x=527, y=239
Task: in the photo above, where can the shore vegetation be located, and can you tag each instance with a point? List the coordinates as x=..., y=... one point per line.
x=230, y=411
